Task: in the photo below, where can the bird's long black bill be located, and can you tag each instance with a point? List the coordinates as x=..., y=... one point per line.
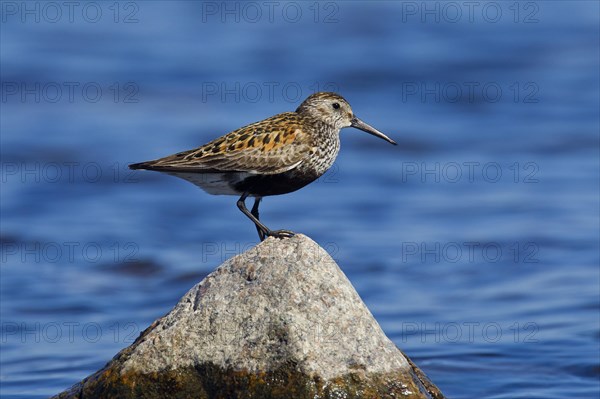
x=357, y=123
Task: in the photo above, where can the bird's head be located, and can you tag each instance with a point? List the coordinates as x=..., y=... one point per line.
x=333, y=110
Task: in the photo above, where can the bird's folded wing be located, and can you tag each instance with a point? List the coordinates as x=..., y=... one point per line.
x=271, y=146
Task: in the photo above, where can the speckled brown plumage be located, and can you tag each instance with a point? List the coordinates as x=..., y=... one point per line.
x=270, y=146
x=275, y=156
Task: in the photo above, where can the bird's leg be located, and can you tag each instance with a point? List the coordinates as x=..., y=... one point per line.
x=261, y=233
x=259, y=226
x=252, y=216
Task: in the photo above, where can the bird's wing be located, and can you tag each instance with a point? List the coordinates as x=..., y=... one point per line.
x=271, y=146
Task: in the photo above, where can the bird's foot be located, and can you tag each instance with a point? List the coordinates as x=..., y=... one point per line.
x=280, y=234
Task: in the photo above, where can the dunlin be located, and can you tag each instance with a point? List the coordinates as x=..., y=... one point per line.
x=275, y=156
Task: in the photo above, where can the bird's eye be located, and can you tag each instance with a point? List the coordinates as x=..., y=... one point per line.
x=335, y=105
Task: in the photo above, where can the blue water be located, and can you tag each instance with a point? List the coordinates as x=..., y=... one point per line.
x=475, y=242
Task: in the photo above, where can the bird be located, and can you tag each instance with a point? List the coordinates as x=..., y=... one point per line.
x=275, y=156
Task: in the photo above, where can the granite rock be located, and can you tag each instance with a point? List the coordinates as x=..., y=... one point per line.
x=278, y=321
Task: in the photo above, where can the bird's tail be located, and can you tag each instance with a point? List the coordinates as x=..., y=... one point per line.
x=140, y=165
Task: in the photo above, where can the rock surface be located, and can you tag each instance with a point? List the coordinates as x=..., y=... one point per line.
x=278, y=321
